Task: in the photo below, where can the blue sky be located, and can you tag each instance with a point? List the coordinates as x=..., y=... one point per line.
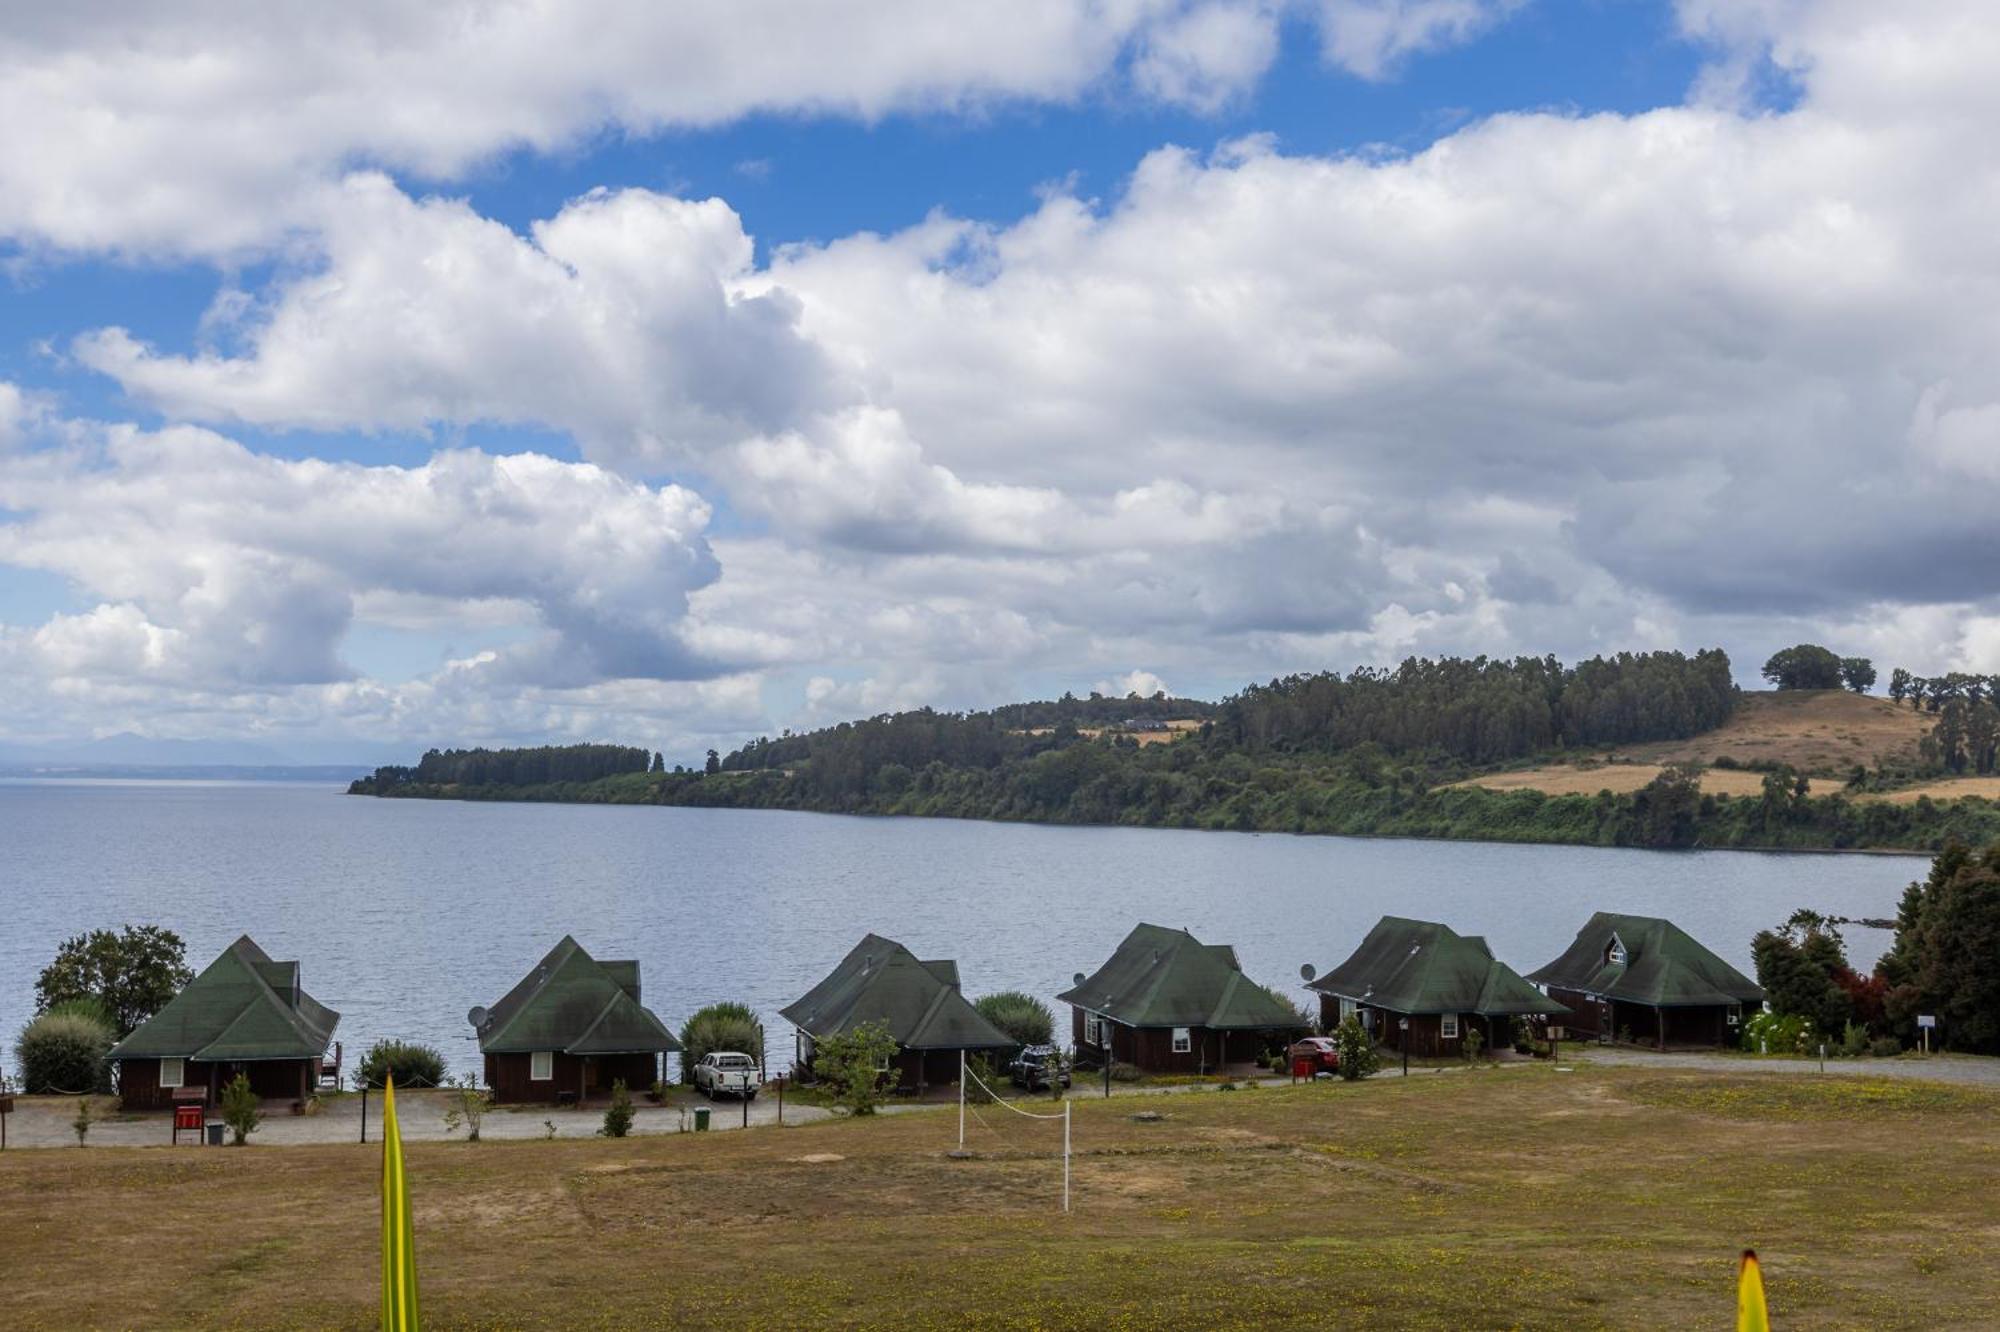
x=1504, y=326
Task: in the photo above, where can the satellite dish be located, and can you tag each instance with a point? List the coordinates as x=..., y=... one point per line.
x=478, y=1018
x=1305, y=971
x=1077, y=979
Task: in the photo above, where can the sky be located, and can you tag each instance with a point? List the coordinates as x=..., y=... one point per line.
x=379, y=376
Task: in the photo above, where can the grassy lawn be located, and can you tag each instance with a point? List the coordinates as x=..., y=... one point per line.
x=1613, y=1198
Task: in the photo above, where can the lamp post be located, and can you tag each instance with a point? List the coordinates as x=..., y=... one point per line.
x=1403, y=1026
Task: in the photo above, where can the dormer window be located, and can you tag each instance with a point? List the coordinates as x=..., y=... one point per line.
x=1615, y=953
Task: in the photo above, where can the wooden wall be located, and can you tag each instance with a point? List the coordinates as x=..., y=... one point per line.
x=273, y=1079
x=1698, y=1026
x=1151, y=1049
x=507, y=1075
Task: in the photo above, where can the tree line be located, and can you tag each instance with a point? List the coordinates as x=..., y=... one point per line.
x=510, y=767
x=1484, y=711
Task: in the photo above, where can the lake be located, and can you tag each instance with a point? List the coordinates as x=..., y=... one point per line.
x=406, y=913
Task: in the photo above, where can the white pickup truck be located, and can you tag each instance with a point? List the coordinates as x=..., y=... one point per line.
x=727, y=1073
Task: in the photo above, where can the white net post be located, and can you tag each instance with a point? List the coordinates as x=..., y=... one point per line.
x=961, y=1100
x=1065, y=1156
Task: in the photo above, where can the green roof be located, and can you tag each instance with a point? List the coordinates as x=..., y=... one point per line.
x=881, y=981
x=575, y=1004
x=1664, y=966
x=1419, y=966
x=243, y=1007
x=1168, y=978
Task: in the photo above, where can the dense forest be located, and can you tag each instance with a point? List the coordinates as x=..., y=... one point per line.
x=509, y=767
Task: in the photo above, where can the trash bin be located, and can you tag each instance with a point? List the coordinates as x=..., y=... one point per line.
x=1302, y=1067
x=701, y=1119
x=215, y=1133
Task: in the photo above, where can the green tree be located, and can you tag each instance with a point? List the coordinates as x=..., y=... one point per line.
x=723, y=1026
x=714, y=764
x=1947, y=937
x=240, y=1109
x=659, y=762
x=855, y=1064
x=133, y=973
x=1857, y=673
x=1668, y=806
x=1804, y=666
x=1025, y=1019
x=1899, y=685
x=1801, y=967
x=1357, y=1052
x=618, y=1115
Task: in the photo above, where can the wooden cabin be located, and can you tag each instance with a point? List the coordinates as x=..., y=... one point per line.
x=1441, y=983
x=569, y=1029
x=1166, y=1002
x=245, y=1014
x=1647, y=976
x=919, y=1002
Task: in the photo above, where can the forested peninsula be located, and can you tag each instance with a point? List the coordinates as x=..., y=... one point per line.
x=1371, y=753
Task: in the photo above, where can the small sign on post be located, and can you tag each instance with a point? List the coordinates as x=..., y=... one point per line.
x=1925, y=1023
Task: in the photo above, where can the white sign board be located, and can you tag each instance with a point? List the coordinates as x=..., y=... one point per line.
x=1926, y=1019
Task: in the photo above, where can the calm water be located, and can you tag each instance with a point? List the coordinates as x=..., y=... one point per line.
x=405, y=913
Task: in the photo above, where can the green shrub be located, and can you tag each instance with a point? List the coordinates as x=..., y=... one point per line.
x=724, y=1026
x=240, y=1109
x=1126, y=1072
x=1470, y=1043
x=618, y=1115
x=411, y=1064
x=1357, y=1052
x=1025, y=1019
x=1853, y=1041
x=1885, y=1047
x=64, y=1052
x=851, y=1066
x=466, y=1105
x=1778, y=1033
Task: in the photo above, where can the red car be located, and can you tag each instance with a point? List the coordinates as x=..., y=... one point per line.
x=1318, y=1054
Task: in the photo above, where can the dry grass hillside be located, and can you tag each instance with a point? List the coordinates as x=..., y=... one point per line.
x=1822, y=732
x=1825, y=733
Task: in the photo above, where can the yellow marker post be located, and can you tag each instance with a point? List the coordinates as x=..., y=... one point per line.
x=1751, y=1315
x=399, y=1240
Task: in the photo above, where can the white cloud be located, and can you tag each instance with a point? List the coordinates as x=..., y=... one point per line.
x=1143, y=683
x=1371, y=38
x=206, y=128
x=211, y=563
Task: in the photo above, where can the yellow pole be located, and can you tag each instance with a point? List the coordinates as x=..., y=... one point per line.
x=1751, y=1315
x=399, y=1242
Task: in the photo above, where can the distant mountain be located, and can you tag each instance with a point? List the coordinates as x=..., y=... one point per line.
x=127, y=754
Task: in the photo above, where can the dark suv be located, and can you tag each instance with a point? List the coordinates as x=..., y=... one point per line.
x=1030, y=1068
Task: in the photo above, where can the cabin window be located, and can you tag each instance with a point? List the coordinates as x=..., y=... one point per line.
x=1182, y=1040
x=1735, y=1016
x=1093, y=1029
x=1615, y=954
x=173, y=1073
x=881, y=1063
x=1347, y=1007
x=541, y=1066
x=1448, y=1026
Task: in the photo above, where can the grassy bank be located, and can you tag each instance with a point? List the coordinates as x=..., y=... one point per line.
x=1504, y=1198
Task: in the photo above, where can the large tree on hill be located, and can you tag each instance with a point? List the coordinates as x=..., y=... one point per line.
x=1900, y=682
x=1857, y=673
x=1803, y=666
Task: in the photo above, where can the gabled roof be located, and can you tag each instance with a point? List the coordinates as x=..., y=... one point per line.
x=1664, y=966
x=881, y=981
x=575, y=1004
x=1168, y=978
x=1419, y=966
x=243, y=1007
